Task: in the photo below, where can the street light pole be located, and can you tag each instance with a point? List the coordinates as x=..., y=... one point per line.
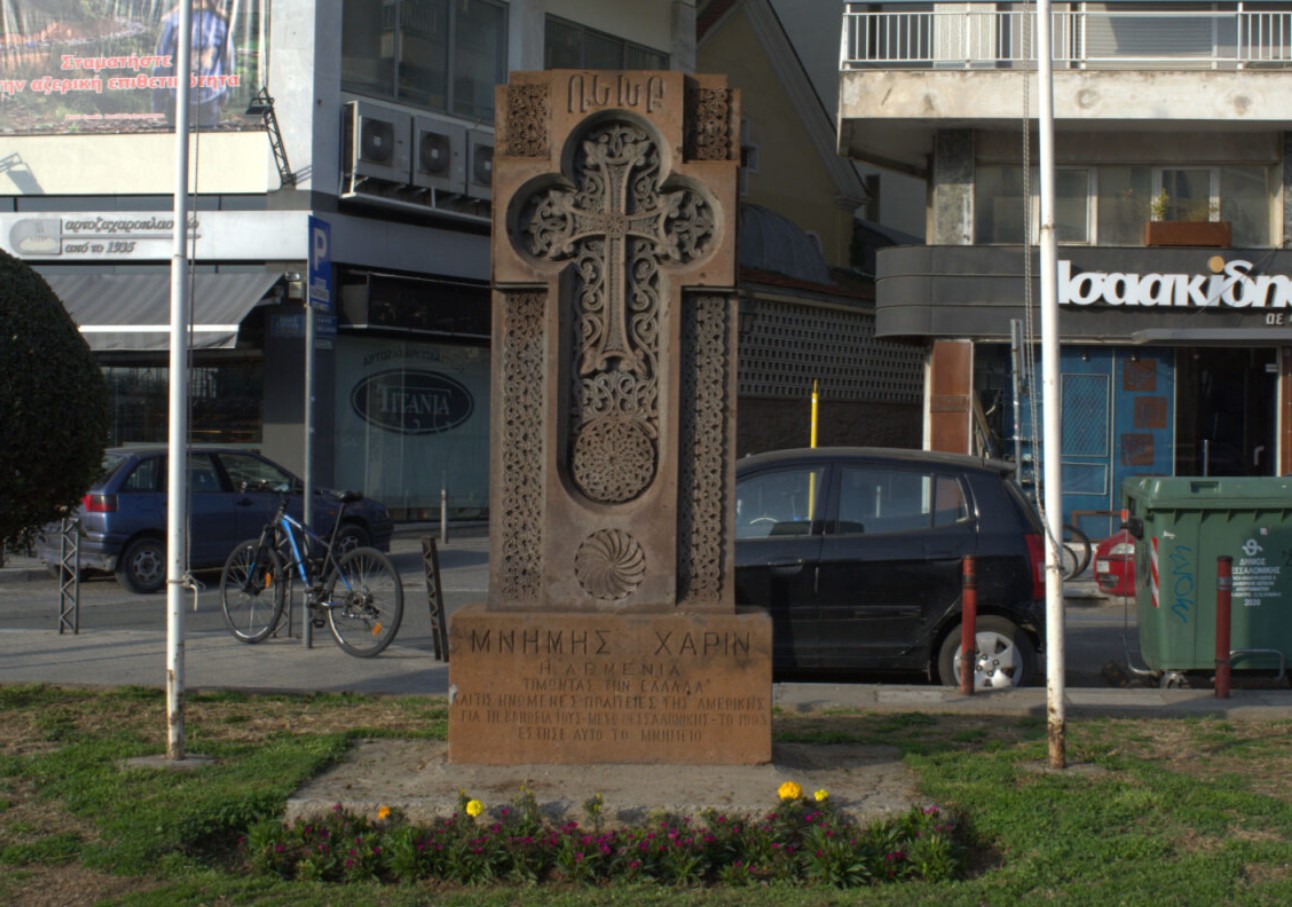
x=1052, y=441
x=177, y=460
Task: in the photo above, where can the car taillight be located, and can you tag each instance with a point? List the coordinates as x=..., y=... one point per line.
x=99, y=503
x=1036, y=554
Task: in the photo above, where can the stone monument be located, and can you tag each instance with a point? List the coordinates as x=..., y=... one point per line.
x=610, y=632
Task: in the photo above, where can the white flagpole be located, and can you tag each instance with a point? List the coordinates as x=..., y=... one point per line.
x=1051, y=424
x=177, y=470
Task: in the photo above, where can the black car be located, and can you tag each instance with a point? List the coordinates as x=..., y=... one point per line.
x=858, y=555
x=123, y=516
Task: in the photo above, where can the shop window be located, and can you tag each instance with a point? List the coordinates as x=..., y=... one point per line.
x=225, y=399
x=1108, y=205
x=569, y=45
x=999, y=209
x=1124, y=201
x=443, y=55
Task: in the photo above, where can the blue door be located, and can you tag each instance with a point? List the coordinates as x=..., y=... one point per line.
x=1117, y=421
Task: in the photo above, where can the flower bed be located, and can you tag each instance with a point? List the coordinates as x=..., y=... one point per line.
x=802, y=839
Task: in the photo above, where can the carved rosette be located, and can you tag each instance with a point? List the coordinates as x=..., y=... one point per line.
x=708, y=125
x=618, y=229
x=528, y=114
x=610, y=564
x=521, y=521
x=707, y=361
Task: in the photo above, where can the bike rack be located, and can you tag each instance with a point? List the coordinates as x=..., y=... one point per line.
x=435, y=598
x=69, y=576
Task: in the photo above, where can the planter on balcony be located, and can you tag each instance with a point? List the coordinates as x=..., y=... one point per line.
x=1207, y=234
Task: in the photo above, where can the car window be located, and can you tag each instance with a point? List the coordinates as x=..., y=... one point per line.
x=253, y=470
x=780, y=502
x=202, y=477
x=874, y=499
x=145, y=477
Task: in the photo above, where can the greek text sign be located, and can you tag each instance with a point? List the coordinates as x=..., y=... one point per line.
x=1235, y=287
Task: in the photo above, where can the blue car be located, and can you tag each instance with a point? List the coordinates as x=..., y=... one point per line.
x=123, y=516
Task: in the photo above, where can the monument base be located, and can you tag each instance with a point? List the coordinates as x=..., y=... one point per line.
x=561, y=688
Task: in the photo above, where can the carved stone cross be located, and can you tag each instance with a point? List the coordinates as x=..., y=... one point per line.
x=618, y=226
x=617, y=199
x=610, y=632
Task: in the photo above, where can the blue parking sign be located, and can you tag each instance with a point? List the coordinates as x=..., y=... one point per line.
x=320, y=287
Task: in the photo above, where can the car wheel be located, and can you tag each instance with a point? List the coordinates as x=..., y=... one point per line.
x=142, y=567
x=350, y=537
x=1006, y=656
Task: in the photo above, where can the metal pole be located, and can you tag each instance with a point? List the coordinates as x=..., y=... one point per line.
x=1016, y=357
x=968, y=628
x=307, y=491
x=444, y=515
x=1224, y=622
x=1051, y=435
x=177, y=468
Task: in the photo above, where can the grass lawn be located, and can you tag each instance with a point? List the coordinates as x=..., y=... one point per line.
x=1150, y=812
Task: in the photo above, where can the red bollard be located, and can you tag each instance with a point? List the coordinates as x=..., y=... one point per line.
x=1224, y=612
x=968, y=627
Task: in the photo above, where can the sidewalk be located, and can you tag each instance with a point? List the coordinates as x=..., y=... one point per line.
x=215, y=660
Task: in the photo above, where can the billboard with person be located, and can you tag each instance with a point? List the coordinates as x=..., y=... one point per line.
x=109, y=65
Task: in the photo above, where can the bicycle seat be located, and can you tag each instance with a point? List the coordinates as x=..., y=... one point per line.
x=349, y=497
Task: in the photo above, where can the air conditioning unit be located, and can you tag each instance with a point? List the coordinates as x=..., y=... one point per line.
x=480, y=164
x=439, y=154
x=377, y=142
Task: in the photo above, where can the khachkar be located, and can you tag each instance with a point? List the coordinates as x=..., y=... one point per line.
x=610, y=633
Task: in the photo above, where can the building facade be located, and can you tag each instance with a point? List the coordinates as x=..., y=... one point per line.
x=1172, y=217
x=373, y=120
x=807, y=312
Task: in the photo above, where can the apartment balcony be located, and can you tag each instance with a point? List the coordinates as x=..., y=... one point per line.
x=908, y=69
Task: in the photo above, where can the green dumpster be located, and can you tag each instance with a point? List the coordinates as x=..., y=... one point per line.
x=1182, y=525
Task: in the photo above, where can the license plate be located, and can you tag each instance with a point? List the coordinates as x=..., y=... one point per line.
x=1103, y=567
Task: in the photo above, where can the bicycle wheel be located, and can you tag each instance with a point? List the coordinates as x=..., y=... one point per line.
x=252, y=590
x=365, y=602
x=1079, y=544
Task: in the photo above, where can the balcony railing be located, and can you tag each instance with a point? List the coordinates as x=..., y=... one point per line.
x=1085, y=36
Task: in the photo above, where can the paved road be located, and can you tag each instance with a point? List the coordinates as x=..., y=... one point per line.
x=121, y=636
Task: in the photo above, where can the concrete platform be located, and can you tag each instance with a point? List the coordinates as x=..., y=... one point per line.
x=867, y=782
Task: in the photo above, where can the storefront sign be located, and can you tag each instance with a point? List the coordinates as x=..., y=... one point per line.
x=412, y=402
x=100, y=66
x=128, y=236
x=148, y=235
x=1234, y=287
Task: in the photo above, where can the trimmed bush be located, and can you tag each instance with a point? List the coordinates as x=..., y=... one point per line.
x=53, y=405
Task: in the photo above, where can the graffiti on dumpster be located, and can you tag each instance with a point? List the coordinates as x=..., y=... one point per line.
x=1183, y=585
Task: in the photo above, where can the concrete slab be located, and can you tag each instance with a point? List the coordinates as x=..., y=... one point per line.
x=867, y=782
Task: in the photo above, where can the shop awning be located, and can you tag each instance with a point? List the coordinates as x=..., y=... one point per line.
x=131, y=312
x=1252, y=336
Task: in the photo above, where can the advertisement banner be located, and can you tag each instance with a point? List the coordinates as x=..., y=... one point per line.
x=109, y=65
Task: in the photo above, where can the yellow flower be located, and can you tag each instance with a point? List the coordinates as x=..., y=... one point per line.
x=383, y=813
x=821, y=796
x=474, y=808
x=789, y=791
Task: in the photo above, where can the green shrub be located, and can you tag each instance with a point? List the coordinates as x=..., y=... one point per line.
x=53, y=405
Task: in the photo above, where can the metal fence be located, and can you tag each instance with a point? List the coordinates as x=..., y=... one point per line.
x=1086, y=36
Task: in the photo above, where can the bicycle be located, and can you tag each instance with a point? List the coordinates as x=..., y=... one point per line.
x=357, y=594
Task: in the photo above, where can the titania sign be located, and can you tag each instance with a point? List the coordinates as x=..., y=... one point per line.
x=412, y=401
x=1233, y=287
